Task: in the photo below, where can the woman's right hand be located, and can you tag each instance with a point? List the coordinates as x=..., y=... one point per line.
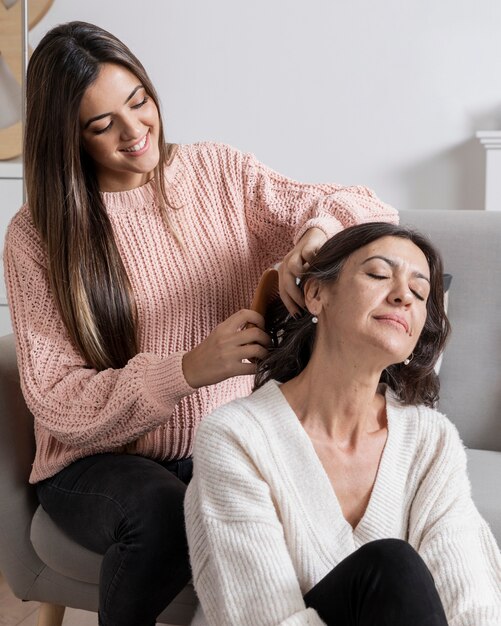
x=221, y=355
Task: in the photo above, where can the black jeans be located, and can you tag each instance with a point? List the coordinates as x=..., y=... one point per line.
x=383, y=583
x=130, y=509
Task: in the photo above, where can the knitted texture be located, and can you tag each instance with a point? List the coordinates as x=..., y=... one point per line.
x=264, y=524
x=235, y=218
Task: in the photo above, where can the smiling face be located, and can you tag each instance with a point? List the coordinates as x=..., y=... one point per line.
x=120, y=125
x=376, y=309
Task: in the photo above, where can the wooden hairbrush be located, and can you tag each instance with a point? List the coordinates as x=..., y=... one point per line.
x=266, y=291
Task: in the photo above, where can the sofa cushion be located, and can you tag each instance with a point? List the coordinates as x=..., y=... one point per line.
x=61, y=553
x=484, y=469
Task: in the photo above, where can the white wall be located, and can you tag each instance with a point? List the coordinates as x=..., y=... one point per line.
x=386, y=93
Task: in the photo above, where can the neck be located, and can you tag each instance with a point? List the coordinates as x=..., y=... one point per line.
x=126, y=182
x=339, y=401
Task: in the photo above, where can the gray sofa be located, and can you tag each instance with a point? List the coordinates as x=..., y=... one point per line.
x=470, y=374
x=40, y=563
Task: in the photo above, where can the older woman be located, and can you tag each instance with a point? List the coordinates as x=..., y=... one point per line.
x=336, y=493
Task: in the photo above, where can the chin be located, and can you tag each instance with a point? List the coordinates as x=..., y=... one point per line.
x=390, y=353
x=152, y=163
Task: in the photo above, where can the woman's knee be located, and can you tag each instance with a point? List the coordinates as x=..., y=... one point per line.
x=154, y=502
x=389, y=549
x=394, y=559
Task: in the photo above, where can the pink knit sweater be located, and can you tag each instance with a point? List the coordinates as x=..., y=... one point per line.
x=236, y=218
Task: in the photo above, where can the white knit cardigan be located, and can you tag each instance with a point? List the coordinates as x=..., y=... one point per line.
x=264, y=524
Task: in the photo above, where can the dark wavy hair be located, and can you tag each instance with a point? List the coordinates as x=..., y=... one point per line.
x=293, y=339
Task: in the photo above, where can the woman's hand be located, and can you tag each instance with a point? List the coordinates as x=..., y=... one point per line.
x=293, y=266
x=221, y=354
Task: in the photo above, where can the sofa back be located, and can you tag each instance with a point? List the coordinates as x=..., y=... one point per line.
x=470, y=375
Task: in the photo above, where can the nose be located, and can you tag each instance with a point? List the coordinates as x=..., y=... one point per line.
x=400, y=295
x=131, y=127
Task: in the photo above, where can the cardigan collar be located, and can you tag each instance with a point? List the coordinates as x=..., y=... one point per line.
x=308, y=483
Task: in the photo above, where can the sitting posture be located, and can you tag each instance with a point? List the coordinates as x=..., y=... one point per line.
x=336, y=493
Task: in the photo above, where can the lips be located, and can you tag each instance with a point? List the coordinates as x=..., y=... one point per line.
x=139, y=146
x=392, y=317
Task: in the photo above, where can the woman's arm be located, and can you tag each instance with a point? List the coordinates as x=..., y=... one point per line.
x=76, y=404
x=454, y=540
x=280, y=210
x=242, y=569
x=295, y=219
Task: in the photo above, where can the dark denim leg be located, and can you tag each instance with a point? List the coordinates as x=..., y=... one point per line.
x=130, y=509
x=384, y=583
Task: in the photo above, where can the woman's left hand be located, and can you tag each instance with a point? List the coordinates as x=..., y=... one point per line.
x=294, y=265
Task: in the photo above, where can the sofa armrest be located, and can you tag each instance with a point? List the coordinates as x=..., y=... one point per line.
x=18, y=502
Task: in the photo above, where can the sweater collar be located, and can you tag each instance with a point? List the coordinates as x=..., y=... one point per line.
x=145, y=194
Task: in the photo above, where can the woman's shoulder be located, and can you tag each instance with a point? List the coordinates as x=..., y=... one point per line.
x=23, y=238
x=209, y=152
x=21, y=219
x=434, y=424
x=432, y=432
x=243, y=420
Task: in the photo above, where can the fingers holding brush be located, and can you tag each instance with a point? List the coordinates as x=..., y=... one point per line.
x=294, y=264
x=290, y=293
x=222, y=354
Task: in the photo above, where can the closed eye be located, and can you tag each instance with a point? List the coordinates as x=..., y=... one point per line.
x=140, y=104
x=103, y=130
x=100, y=131
x=377, y=276
x=382, y=277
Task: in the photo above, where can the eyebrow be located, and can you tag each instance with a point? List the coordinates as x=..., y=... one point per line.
x=392, y=263
x=100, y=117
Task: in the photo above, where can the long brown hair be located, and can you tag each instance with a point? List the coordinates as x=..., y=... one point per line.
x=86, y=272
x=415, y=383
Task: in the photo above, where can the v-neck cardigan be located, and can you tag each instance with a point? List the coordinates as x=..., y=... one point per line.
x=264, y=524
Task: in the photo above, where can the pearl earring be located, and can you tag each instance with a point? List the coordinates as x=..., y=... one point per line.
x=314, y=320
x=409, y=359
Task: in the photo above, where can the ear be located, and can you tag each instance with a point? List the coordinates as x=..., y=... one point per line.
x=312, y=296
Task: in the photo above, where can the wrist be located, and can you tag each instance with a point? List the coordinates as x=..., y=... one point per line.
x=190, y=370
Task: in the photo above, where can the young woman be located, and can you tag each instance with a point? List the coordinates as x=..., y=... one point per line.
x=129, y=273
x=335, y=494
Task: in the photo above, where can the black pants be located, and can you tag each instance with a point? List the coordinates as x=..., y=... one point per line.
x=383, y=583
x=130, y=509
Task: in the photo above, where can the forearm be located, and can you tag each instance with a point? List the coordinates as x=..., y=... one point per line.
x=280, y=210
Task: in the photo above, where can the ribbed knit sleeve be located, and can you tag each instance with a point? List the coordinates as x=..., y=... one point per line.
x=242, y=569
x=280, y=209
x=451, y=536
x=88, y=410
